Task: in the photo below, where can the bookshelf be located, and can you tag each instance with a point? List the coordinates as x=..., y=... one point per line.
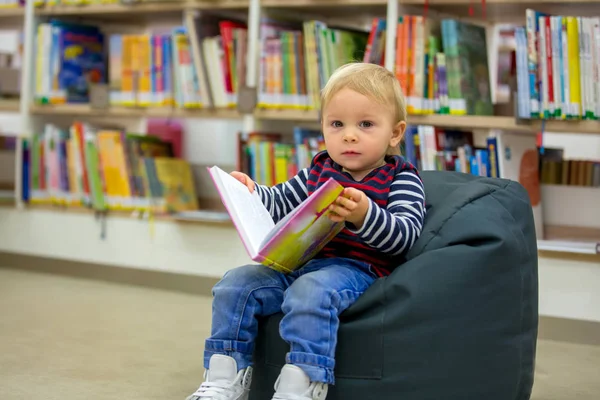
x=84, y=110
x=183, y=232
x=311, y=117
x=8, y=105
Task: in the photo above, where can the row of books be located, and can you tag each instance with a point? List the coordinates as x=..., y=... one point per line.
x=558, y=65
x=269, y=158
x=8, y=147
x=571, y=172
x=431, y=148
x=442, y=65
x=85, y=166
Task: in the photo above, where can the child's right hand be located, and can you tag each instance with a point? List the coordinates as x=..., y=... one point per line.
x=245, y=179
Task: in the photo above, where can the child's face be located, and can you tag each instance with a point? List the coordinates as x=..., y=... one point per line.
x=358, y=132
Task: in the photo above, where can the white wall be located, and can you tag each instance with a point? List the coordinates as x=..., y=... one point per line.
x=575, y=145
x=568, y=288
x=201, y=249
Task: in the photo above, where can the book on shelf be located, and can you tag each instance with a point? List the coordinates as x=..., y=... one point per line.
x=504, y=154
x=69, y=58
x=288, y=244
x=441, y=64
x=269, y=159
x=107, y=169
x=8, y=154
x=557, y=61
x=569, y=172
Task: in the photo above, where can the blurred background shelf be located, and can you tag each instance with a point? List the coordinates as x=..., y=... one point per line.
x=11, y=105
x=83, y=110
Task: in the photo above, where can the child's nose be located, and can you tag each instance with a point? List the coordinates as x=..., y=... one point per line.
x=350, y=137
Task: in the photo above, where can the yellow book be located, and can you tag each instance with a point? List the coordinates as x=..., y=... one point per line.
x=573, y=54
x=39, y=64
x=281, y=162
x=114, y=169
x=127, y=73
x=144, y=73
x=135, y=67
x=177, y=184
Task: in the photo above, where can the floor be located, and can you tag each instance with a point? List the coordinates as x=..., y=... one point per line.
x=65, y=338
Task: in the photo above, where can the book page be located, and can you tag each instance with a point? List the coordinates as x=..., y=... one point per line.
x=250, y=217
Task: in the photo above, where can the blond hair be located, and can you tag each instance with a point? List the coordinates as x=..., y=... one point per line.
x=370, y=80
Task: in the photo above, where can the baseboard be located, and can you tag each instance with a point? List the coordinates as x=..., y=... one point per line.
x=569, y=330
x=550, y=328
x=180, y=282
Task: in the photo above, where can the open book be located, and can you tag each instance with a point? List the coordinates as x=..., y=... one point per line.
x=295, y=239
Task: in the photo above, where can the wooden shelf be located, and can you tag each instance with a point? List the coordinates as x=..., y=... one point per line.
x=312, y=116
x=9, y=12
x=84, y=110
x=287, y=115
x=453, y=121
x=505, y=123
x=565, y=246
x=142, y=8
x=10, y=105
x=496, y=10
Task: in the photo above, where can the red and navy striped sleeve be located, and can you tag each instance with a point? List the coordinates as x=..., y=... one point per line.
x=284, y=197
x=395, y=228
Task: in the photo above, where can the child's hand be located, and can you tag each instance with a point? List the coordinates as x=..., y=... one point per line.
x=245, y=179
x=352, y=206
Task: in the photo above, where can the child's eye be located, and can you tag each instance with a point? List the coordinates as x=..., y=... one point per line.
x=366, y=124
x=336, y=124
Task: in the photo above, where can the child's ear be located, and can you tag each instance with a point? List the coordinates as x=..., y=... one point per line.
x=398, y=133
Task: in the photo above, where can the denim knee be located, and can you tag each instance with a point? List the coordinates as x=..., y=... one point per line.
x=238, y=277
x=311, y=293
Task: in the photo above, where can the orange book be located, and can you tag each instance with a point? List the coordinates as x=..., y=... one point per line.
x=114, y=169
x=399, y=48
x=410, y=55
x=144, y=54
x=127, y=79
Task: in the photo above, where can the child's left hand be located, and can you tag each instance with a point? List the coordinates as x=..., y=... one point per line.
x=352, y=206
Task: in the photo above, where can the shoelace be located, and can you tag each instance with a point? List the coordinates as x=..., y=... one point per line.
x=214, y=390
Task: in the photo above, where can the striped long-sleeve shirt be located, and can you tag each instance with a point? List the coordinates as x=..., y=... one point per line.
x=394, y=219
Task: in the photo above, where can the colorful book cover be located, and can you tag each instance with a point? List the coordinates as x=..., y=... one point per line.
x=82, y=60
x=295, y=239
x=470, y=68
x=114, y=169
x=177, y=184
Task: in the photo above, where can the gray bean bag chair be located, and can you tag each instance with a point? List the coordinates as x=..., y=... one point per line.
x=456, y=321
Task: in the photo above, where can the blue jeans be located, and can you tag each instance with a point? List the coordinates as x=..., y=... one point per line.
x=310, y=298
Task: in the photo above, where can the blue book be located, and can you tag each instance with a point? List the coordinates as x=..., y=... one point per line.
x=492, y=145
x=482, y=162
x=474, y=165
x=410, y=152
x=82, y=60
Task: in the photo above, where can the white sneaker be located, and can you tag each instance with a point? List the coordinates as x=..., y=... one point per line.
x=222, y=381
x=294, y=384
